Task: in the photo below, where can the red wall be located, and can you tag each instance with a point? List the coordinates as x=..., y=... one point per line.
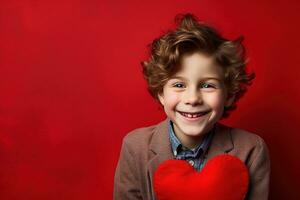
x=71, y=88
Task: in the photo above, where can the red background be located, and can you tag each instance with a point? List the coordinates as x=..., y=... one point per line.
x=71, y=88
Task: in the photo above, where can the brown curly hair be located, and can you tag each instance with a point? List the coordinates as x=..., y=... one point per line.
x=191, y=36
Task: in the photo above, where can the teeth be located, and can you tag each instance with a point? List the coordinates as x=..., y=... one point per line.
x=192, y=115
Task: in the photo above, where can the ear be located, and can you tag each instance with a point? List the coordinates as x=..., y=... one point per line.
x=161, y=99
x=229, y=101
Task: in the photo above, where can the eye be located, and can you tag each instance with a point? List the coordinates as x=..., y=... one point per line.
x=207, y=85
x=179, y=85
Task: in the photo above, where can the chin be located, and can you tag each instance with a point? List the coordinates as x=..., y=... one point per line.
x=194, y=132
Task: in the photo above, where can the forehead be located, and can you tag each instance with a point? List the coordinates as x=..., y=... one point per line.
x=198, y=66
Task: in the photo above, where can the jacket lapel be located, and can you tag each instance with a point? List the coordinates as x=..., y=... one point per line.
x=159, y=151
x=221, y=142
x=160, y=146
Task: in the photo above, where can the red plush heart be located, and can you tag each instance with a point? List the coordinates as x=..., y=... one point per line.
x=224, y=177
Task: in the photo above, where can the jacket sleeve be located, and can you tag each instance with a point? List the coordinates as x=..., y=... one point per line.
x=126, y=183
x=259, y=169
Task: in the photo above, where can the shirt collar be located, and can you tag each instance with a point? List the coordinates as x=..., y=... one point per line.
x=177, y=146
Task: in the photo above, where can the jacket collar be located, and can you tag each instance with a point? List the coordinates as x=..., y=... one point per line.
x=221, y=142
x=160, y=143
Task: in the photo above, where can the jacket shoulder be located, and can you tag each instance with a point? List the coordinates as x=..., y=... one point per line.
x=247, y=145
x=140, y=138
x=139, y=134
x=243, y=138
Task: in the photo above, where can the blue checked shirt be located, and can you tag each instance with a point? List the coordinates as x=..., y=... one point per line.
x=194, y=157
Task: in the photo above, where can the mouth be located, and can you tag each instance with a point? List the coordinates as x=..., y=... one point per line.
x=193, y=115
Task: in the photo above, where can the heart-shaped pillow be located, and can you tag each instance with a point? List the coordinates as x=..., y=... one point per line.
x=224, y=177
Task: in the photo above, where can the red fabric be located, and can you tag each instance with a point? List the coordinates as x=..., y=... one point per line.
x=224, y=177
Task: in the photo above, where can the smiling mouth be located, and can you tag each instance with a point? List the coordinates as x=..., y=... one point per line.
x=193, y=115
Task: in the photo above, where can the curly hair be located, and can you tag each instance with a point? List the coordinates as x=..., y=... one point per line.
x=190, y=36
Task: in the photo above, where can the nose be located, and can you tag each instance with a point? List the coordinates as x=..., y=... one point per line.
x=193, y=97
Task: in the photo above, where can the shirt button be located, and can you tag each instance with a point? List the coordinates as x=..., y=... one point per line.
x=175, y=153
x=191, y=162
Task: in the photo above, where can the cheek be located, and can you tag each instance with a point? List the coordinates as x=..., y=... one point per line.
x=171, y=100
x=215, y=101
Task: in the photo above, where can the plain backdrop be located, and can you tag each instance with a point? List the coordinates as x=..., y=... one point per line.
x=71, y=87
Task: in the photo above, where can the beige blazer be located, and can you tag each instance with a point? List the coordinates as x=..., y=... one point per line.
x=145, y=148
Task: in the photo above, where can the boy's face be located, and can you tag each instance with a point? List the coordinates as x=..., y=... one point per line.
x=194, y=98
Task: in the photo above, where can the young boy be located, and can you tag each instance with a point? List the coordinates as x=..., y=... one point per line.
x=197, y=76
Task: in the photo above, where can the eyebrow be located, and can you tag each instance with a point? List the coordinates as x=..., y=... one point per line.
x=206, y=78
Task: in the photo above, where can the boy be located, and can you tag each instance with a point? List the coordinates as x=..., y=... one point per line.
x=197, y=76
